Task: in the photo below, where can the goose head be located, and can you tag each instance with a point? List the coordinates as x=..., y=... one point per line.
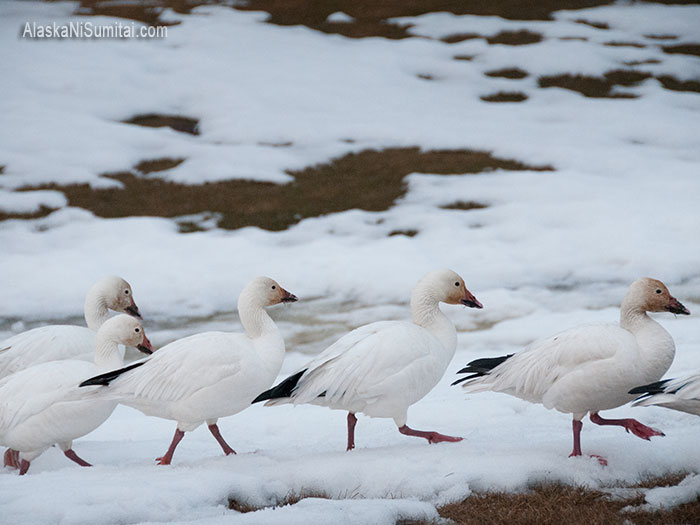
x=267, y=292
x=124, y=329
x=651, y=295
x=118, y=295
x=448, y=287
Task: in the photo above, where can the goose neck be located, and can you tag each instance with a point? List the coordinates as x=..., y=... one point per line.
x=108, y=354
x=96, y=309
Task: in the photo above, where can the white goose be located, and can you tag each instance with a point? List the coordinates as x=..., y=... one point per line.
x=681, y=394
x=55, y=342
x=382, y=368
x=207, y=376
x=589, y=368
x=42, y=405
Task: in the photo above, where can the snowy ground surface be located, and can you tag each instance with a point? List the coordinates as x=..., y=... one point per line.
x=551, y=249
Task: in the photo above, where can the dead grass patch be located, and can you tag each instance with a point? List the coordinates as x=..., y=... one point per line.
x=464, y=205
x=554, y=504
x=175, y=122
x=371, y=18
x=597, y=25
x=596, y=87
x=43, y=211
x=405, y=233
x=459, y=37
x=155, y=165
x=515, y=38
x=509, y=72
x=505, y=96
x=601, y=87
x=624, y=44
x=683, y=49
x=464, y=57
x=661, y=37
x=290, y=499
x=369, y=180
x=672, y=83
x=642, y=62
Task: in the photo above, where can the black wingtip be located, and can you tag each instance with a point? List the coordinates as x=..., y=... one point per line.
x=481, y=367
x=650, y=389
x=284, y=389
x=106, y=378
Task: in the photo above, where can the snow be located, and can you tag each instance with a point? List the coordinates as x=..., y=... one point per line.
x=551, y=250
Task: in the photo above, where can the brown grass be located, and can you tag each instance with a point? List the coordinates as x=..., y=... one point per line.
x=371, y=16
x=597, y=25
x=544, y=504
x=43, y=211
x=290, y=499
x=600, y=87
x=176, y=122
x=464, y=205
x=509, y=72
x=683, y=49
x=555, y=504
x=464, y=57
x=505, y=96
x=515, y=38
x=661, y=37
x=155, y=165
x=674, y=84
x=459, y=37
x=624, y=44
x=369, y=180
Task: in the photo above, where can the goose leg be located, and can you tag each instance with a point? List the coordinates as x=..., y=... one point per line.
x=11, y=458
x=23, y=467
x=577, y=425
x=432, y=437
x=167, y=458
x=70, y=454
x=214, y=429
x=352, y=421
x=630, y=425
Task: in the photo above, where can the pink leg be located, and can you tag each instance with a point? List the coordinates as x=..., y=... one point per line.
x=11, y=458
x=352, y=421
x=70, y=454
x=215, y=432
x=578, y=425
x=23, y=467
x=168, y=457
x=630, y=425
x=432, y=437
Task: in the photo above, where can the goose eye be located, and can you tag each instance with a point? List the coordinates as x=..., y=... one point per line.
x=658, y=291
x=126, y=292
x=274, y=287
x=137, y=330
x=457, y=283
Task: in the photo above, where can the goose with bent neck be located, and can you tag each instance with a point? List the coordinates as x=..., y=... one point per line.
x=56, y=342
x=382, y=368
x=590, y=368
x=43, y=406
x=206, y=376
